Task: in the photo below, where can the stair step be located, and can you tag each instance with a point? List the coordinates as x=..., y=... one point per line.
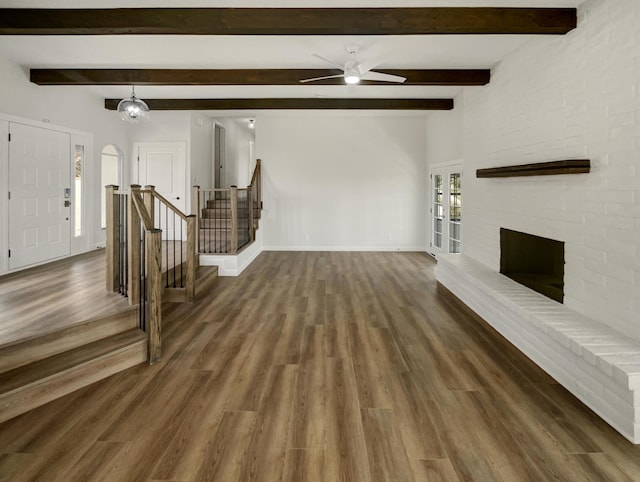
x=208, y=223
x=37, y=383
x=216, y=213
x=171, y=279
x=224, y=203
x=205, y=276
x=222, y=229
x=177, y=271
x=225, y=214
x=24, y=352
x=220, y=241
x=217, y=203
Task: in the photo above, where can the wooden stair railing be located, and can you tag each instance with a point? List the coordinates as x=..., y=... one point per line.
x=135, y=257
x=175, y=259
x=227, y=219
x=256, y=185
x=150, y=286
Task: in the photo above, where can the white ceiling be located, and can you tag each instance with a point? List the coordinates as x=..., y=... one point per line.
x=220, y=52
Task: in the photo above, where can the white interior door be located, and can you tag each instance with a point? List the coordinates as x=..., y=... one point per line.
x=163, y=165
x=40, y=195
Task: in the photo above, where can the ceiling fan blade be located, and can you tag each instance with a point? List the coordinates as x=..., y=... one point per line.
x=382, y=77
x=341, y=67
x=365, y=67
x=304, y=81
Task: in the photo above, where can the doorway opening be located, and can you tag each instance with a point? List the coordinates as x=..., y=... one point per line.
x=218, y=156
x=446, y=209
x=111, y=173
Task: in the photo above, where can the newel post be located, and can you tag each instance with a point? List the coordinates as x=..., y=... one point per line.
x=192, y=257
x=112, y=234
x=195, y=200
x=195, y=209
x=153, y=249
x=134, y=247
x=259, y=178
x=148, y=202
x=234, y=220
x=252, y=226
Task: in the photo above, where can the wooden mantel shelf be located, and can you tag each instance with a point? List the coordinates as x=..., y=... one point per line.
x=571, y=166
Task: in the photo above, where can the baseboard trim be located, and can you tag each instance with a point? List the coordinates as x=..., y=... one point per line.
x=234, y=265
x=420, y=249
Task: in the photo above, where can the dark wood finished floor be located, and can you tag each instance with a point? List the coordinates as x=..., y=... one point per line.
x=50, y=297
x=322, y=367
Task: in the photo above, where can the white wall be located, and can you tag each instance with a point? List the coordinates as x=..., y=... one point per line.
x=343, y=181
x=163, y=126
x=556, y=98
x=70, y=107
x=201, y=150
x=444, y=133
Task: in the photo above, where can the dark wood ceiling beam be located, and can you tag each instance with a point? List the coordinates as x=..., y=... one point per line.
x=286, y=104
x=242, y=77
x=287, y=21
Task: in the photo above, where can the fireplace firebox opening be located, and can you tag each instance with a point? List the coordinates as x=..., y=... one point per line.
x=533, y=261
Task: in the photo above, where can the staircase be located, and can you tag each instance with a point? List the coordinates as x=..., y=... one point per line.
x=36, y=371
x=228, y=218
x=216, y=225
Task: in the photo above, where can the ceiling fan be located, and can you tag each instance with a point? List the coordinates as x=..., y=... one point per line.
x=354, y=71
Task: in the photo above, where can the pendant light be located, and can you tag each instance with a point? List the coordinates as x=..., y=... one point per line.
x=133, y=110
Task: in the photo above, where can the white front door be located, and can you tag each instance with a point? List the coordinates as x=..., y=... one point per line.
x=40, y=195
x=162, y=165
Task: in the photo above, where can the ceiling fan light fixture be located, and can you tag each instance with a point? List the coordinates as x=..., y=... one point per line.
x=133, y=110
x=351, y=78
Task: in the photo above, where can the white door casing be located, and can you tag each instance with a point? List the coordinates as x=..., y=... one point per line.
x=219, y=163
x=445, y=211
x=437, y=211
x=39, y=177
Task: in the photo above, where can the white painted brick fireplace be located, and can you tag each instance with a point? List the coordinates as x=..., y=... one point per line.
x=568, y=97
x=595, y=363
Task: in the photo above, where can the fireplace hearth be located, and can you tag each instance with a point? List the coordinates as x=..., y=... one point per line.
x=533, y=261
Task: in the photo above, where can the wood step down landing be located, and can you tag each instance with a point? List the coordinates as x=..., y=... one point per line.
x=29, y=386
x=205, y=277
x=27, y=351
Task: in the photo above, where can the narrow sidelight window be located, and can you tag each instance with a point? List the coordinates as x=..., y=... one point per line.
x=438, y=210
x=455, y=212
x=78, y=187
